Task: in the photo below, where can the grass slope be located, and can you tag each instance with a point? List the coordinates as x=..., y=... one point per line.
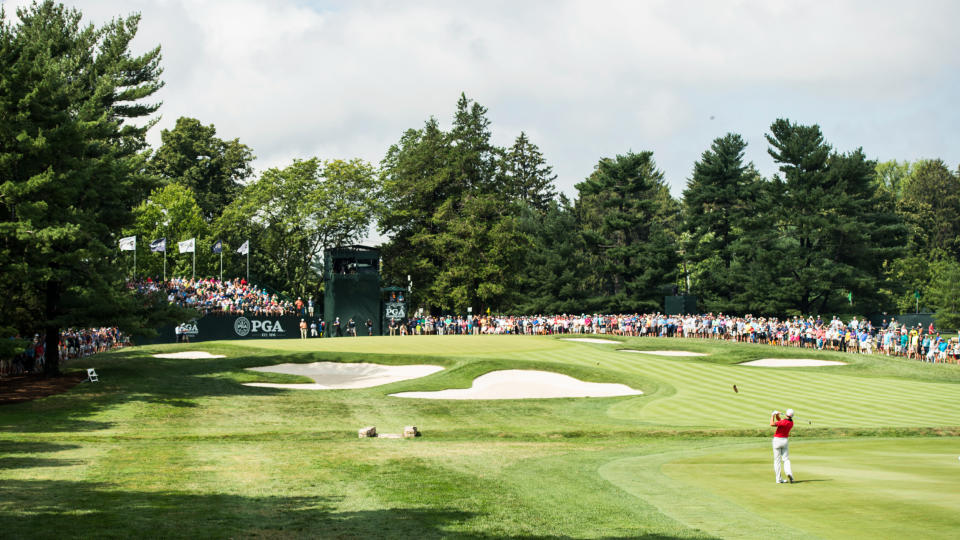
x=180, y=448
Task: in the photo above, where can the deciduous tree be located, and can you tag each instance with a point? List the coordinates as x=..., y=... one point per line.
x=192, y=155
x=292, y=214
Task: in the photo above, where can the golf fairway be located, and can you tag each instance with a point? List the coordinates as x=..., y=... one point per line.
x=181, y=448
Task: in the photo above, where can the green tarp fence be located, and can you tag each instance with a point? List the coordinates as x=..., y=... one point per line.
x=228, y=327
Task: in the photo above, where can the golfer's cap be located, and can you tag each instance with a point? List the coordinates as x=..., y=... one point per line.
x=790, y=412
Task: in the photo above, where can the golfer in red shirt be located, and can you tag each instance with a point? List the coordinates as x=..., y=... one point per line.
x=781, y=448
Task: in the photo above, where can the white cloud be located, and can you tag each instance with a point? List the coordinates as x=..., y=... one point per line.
x=585, y=79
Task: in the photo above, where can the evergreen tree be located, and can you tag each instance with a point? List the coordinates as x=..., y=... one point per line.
x=414, y=180
x=823, y=230
x=720, y=196
x=554, y=272
x=454, y=228
x=69, y=168
x=472, y=157
x=528, y=177
x=629, y=225
x=483, y=247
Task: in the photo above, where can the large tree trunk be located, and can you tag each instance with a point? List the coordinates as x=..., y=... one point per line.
x=51, y=357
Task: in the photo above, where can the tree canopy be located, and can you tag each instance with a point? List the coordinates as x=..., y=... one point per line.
x=291, y=215
x=473, y=224
x=193, y=156
x=720, y=198
x=69, y=166
x=629, y=226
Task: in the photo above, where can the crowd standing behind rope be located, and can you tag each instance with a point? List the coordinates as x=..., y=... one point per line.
x=74, y=343
x=855, y=336
x=237, y=297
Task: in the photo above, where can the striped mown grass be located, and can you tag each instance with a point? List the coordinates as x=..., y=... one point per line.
x=180, y=448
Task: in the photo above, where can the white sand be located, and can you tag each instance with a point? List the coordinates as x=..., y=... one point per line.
x=334, y=375
x=589, y=340
x=666, y=353
x=526, y=384
x=189, y=355
x=792, y=362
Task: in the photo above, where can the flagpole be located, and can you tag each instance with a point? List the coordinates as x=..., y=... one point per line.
x=194, y=275
x=134, y=260
x=221, y=264
x=164, y=264
x=248, y=264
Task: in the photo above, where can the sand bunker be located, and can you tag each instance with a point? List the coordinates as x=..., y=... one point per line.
x=590, y=340
x=666, y=353
x=334, y=375
x=189, y=355
x=792, y=362
x=526, y=384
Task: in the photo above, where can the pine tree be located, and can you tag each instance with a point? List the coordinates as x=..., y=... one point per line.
x=629, y=225
x=528, y=177
x=70, y=168
x=415, y=182
x=823, y=229
x=554, y=272
x=454, y=228
x=720, y=195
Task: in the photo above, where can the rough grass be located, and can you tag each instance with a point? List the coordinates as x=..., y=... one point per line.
x=180, y=448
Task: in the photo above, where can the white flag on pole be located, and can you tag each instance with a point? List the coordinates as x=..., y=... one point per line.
x=128, y=243
x=187, y=246
x=244, y=249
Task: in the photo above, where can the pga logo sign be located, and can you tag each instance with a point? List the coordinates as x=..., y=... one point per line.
x=244, y=326
x=190, y=329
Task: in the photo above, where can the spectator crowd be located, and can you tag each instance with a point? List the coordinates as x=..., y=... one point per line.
x=229, y=297
x=74, y=343
x=858, y=336
x=238, y=297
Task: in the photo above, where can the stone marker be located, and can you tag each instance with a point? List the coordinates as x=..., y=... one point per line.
x=410, y=431
x=367, y=432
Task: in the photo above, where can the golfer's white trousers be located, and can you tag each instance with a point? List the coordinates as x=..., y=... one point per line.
x=781, y=454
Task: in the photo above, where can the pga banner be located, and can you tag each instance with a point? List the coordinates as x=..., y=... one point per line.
x=395, y=310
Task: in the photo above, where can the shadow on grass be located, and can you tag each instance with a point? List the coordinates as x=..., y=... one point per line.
x=128, y=376
x=31, y=447
x=13, y=461
x=131, y=376
x=62, y=509
x=32, y=463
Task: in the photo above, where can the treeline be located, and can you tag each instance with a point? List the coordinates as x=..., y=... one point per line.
x=472, y=224
x=478, y=226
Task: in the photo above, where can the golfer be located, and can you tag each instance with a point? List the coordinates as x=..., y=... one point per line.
x=781, y=441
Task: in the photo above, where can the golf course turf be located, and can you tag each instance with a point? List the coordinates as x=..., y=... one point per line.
x=175, y=447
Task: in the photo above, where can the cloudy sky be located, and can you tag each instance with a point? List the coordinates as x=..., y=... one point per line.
x=299, y=78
